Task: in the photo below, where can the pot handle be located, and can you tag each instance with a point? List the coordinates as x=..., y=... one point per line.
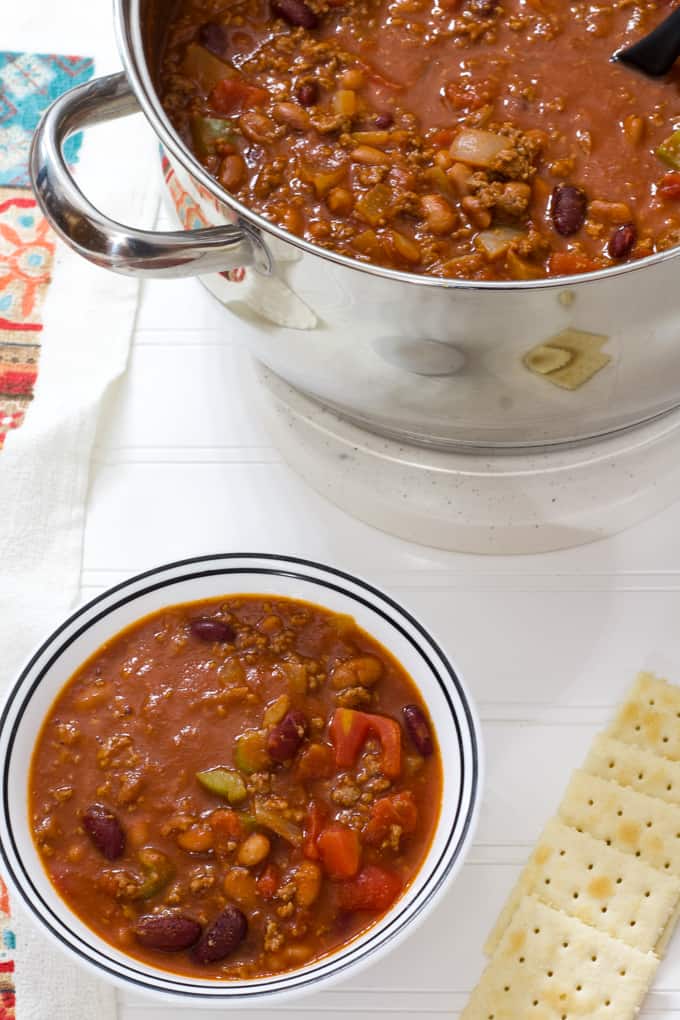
x=104, y=241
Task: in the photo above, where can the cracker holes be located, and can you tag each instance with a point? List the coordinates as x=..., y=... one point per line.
x=667, y=865
x=607, y=1002
x=669, y=787
x=537, y=931
x=562, y=853
x=612, y=764
x=622, y=972
x=520, y=959
x=574, y=896
x=594, y=958
x=590, y=867
x=649, y=824
x=637, y=853
x=641, y=776
x=547, y=881
x=565, y=945
x=591, y=803
x=579, y=988
x=549, y=973
x=632, y=924
x=506, y=988
x=619, y=813
x=651, y=702
x=619, y=881
x=637, y=728
x=664, y=740
x=647, y=894
x=603, y=910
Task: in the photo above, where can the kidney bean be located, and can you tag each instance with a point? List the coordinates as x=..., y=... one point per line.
x=308, y=93
x=105, y=831
x=568, y=209
x=383, y=121
x=169, y=932
x=283, y=740
x=214, y=37
x=206, y=629
x=295, y=12
x=418, y=728
x=222, y=937
x=622, y=241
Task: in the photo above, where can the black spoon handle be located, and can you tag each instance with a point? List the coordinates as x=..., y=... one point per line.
x=657, y=52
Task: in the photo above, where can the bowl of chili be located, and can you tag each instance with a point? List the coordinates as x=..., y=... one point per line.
x=236, y=778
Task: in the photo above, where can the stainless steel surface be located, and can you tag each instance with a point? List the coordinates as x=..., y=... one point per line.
x=432, y=361
x=100, y=239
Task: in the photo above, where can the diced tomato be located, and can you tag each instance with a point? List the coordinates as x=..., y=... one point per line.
x=349, y=730
x=268, y=882
x=374, y=888
x=316, y=819
x=232, y=95
x=396, y=809
x=442, y=137
x=340, y=851
x=315, y=762
x=669, y=185
x=566, y=263
x=227, y=827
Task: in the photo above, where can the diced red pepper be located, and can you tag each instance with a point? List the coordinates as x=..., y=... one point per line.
x=340, y=851
x=268, y=882
x=396, y=809
x=669, y=185
x=232, y=95
x=374, y=888
x=349, y=730
x=316, y=819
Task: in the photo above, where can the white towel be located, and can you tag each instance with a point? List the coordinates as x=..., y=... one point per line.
x=88, y=322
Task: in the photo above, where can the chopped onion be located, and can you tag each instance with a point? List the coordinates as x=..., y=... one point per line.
x=478, y=148
x=495, y=242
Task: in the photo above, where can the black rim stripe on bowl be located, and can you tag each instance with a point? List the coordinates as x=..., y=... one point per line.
x=328, y=966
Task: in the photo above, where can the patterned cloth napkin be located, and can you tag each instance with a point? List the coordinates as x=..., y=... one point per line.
x=65, y=329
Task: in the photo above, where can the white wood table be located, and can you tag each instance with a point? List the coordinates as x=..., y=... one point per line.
x=547, y=644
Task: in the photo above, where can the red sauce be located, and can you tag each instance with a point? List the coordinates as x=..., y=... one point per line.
x=319, y=815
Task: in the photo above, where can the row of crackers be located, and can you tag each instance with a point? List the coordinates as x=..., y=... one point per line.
x=592, y=913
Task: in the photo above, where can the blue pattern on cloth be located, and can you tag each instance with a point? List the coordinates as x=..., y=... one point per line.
x=29, y=82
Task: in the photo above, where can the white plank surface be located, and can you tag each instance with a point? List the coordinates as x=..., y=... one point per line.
x=547, y=643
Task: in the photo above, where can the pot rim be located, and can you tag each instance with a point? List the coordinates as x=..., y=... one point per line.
x=131, y=47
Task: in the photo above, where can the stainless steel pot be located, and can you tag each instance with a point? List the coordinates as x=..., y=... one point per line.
x=444, y=363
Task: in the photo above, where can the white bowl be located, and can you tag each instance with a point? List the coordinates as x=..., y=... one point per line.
x=189, y=580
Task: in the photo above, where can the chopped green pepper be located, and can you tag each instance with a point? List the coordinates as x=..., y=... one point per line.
x=157, y=869
x=276, y=823
x=225, y=783
x=669, y=150
x=208, y=131
x=250, y=754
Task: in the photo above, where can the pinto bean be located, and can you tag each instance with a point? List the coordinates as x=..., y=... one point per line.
x=206, y=629
x=105, y=831
x=292, y=115
x=168, y=932
x=232, y=172
x=283, y=740
x=253, y=850
x=418, y=727
x=568, y=209
x=295, y=12
x=222, y=937
x=622, y=241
